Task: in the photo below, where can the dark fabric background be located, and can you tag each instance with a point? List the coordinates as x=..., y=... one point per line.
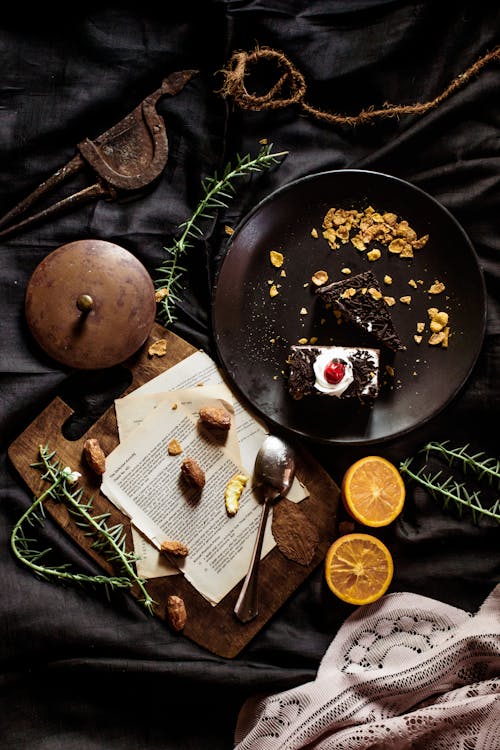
x=77, y=673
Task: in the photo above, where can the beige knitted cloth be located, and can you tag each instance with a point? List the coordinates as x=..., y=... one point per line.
x=404, y=672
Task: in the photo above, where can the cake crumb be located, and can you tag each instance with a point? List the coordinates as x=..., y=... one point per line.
x=319, y=277
x=174, y=448
x=436, y=288
x=276, y=258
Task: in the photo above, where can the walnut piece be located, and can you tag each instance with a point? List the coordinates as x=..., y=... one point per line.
x=174, y=448
x=319, y=277
x=214, y=416
x=158, y=347
x=276, y=258
x=193, y=473
x=176, y=612
x=174, y=547
x=94, y=456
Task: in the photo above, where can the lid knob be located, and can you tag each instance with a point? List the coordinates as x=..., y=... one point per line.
x=85, y=303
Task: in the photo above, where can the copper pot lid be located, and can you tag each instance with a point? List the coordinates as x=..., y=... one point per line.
x=90, y=304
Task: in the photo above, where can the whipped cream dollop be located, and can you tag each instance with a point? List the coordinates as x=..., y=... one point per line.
x=320, y=365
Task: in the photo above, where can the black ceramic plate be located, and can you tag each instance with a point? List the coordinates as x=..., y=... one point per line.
x=254, y=331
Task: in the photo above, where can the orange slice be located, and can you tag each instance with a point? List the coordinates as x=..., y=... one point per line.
x=358, y=568
x=373, y=491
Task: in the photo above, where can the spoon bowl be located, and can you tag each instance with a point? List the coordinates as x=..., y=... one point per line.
x=274, y=469
x=274, y=472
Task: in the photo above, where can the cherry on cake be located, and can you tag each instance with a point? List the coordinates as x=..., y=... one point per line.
x=335, y=371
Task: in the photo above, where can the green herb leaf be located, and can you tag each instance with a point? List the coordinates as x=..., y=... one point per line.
x=217, y=192
x=455, y=491
x=110, y=541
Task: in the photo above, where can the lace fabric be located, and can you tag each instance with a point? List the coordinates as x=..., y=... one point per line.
x=404, y=672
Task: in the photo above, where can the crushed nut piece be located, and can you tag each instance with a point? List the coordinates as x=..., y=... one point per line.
x=374, y=254
x=174, y=547
x=303, y=311
x=374, y=293
x=438, y=322
x=417, y=338
x=233, y=492
x=436, y=288
x=406, y=300
x=302, y=341
x=276, y=258
x=437, y=338
x=398, y=236
x=174, y=448
x=176, y=612
x=387, y=279
x=314, y=233
x=358, y=243
x=158, y=347
x=346, y=271
x=319, y=278
x=193, y=473
x=215, y=417
x=273, y=291
x=439, y=327
x=94, y=456
x=348, y=293
x=161, y=294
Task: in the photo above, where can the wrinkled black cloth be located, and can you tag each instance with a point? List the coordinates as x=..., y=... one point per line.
x=76, y=671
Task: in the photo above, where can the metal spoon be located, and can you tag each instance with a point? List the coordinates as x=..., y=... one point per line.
x=274, y=472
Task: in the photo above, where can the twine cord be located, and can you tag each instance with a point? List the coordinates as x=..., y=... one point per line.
x=290, y=88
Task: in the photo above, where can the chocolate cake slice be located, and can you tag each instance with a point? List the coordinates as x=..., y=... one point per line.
x=360, y=300
x=339, y=371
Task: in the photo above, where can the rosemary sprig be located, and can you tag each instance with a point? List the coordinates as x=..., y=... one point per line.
x=452, y=491
x=217, y=192
x=108, y=540
x=484, y=467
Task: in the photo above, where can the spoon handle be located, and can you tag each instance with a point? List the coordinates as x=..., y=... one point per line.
x=247, y=605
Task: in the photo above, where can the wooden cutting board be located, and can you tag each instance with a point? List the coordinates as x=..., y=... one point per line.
x=215, y=628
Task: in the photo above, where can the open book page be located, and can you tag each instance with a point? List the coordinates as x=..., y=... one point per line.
x=131, y=413
x=195, y=376
x=145, y=481
x=197, y=370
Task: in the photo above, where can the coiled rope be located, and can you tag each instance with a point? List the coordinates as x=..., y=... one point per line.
x=290, y=88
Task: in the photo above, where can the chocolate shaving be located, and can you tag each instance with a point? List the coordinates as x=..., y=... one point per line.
x=296, y=536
